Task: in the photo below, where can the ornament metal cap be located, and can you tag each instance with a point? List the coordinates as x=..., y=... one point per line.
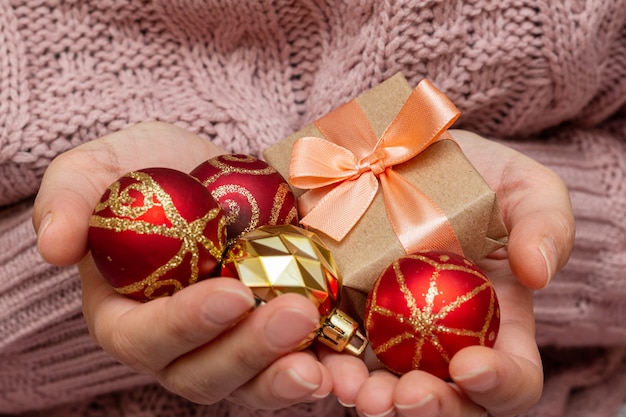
x=340, y=332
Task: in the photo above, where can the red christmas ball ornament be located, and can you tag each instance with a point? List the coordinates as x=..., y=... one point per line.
x=251, y=192
x=156, y=231
x=426, y=307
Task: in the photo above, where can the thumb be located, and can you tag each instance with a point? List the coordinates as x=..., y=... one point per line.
x=542, y=227
x=75, y=180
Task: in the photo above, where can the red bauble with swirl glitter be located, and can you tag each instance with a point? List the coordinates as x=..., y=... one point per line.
x=251, y=192
x=156, y=231
x=426, y=307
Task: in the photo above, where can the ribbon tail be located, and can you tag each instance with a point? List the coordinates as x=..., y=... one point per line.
x=310, y=199
x=416, y=219
x=336, y=213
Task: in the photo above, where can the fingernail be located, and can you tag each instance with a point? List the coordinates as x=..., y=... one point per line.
x=344, y=404
x=480, y=380
x=320, y=395
x=289, y=327
x=548, y=251
x=45, y=222
x=386, y=413
x=426, y=407
x=290, y=385
x=225, y=306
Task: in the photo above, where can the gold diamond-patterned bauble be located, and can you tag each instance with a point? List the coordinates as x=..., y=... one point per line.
x=275, y=260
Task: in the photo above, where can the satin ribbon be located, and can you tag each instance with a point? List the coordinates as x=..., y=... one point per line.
x=342, y=172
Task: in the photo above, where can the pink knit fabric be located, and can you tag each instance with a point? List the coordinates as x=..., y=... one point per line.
x=550, y=77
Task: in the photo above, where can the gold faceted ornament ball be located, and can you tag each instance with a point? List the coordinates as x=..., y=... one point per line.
x=276, y=260
x=286, y=259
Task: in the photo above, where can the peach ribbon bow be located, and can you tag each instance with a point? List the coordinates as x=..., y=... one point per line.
x=342, y=171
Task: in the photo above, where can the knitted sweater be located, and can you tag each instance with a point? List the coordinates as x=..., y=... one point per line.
x=548, y=77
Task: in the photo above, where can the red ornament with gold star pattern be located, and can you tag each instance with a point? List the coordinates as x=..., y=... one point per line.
x=426, y=307
x=156, y=231
x=251, y=192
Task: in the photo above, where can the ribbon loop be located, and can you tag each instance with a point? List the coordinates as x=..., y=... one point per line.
x=342, y=172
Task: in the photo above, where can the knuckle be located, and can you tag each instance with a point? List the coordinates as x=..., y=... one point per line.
x=184, y=381
x=247, y=398
x=248, y=363
x=253, y=353
x=124, y=349
x=254, y=356
x=183, y=324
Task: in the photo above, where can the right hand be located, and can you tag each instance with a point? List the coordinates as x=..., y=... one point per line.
x=508, y=379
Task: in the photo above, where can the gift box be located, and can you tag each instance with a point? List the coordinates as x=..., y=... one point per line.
x=434, y=180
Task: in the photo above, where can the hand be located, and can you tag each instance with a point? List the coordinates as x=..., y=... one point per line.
x=508, y=379
x=188, y=342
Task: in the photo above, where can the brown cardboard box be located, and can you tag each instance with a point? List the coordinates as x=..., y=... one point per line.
x=442, y=171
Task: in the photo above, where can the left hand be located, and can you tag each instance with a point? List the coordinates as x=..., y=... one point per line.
x=508, y=379
x=203, y=343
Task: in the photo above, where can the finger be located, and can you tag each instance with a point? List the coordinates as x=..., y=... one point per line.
x=508, y=379
x=375, y=397
x=213, y=371
x=419, y=394
x=75, y=180
x=348, y=374
x=189, y=320
x=149, y=336
x=503, y=384
x=535, y=204
x=294, y=378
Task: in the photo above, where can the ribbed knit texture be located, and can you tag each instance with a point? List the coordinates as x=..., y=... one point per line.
x=547, y=76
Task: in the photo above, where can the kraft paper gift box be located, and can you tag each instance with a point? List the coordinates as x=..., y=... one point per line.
x=441, y=171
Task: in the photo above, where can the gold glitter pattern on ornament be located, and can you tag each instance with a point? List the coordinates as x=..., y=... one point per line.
x=232, y=208
x=425, y=322
x=275, y=260
x=226, y=169
x=279, y=202
x=190, y=234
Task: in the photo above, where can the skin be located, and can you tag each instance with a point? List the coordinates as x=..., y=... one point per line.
x=207, y=353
